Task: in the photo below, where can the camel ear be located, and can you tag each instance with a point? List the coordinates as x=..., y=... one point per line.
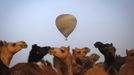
x=5, y=43
x=127, y=51
x=34, y=45
x=1, y=43
x=68, y=47
x=111, y=44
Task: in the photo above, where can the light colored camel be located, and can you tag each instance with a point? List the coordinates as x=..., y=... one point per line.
x=64, y=56
x=8, y=49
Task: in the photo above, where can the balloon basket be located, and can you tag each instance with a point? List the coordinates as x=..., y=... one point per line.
x=66, y=39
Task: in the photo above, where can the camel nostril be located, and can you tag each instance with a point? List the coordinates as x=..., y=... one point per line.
x=24, y=46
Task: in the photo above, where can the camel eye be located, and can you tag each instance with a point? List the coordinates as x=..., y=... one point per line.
x=62, y=50
x=14, y=44
x=132, y=54
x=86, y=52
x=78, y=52
x=106, y=47
x=37, y=52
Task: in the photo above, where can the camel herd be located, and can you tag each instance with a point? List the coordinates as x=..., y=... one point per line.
x=65, y=62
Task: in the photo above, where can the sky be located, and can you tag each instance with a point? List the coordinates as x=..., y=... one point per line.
x=33, y=21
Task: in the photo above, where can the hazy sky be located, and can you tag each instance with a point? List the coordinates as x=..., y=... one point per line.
x=109, y=21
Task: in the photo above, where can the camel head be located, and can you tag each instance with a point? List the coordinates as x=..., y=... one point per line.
x=8, y=49
x=61, y=52
x=130, y=54
x=94, y=57
x=106, y=49
x=37, y=53
x=80, y=53
x=14, y=47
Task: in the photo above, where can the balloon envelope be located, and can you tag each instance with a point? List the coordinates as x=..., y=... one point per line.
x=66, y=24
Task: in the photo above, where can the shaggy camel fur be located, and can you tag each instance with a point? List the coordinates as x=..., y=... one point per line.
x=64, y=56
x=36, y=65
x=8, y=49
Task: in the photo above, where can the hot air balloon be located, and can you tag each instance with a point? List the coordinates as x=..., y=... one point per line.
x=66, y=23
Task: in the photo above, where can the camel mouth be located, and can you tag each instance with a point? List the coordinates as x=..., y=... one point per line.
x=51, y=52
x=24, y=46
x=96, y=58
x=98, y=44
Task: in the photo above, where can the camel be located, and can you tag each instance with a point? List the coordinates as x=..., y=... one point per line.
x=130, y=55
x=128, y=67
x=3, y=68
x=37, y=53
x=79, y=55
x=88, y=63
x=8, y=49
x=108, y=51
x=97, y=69
x=108, y=68
x=81, y=62
x=93, y=57
x=63, y=57
x=35, y=65
x=38, y=68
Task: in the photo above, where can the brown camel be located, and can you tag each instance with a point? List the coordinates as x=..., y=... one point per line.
x=88, y=63
x=63, y=56
x=93, y=57
x=35, y=68
x=97, y=69
x=79, y=55
x=8, y=49
x=130, y=55
x=128, y=67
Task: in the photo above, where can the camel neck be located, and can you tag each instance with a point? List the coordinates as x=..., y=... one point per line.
x=68, y=63
x=5, y=56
